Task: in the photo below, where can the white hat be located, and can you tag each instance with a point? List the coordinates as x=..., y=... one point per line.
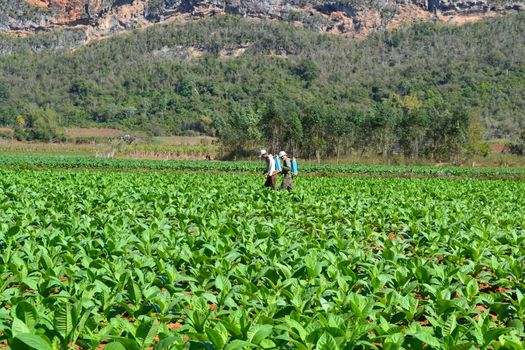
x=262, y=152
x=282, y=154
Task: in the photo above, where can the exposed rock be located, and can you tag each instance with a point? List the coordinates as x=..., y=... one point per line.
x=99, y=18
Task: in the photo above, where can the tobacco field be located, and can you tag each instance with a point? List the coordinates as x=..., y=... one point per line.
x=28, y=161
x=171, y=260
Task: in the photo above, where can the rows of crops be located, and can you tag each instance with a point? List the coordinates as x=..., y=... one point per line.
x=140, y=260
x=69, y=162
x=147, y=151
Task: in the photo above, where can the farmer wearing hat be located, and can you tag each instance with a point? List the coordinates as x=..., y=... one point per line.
x=286, y=171
x=269, y=173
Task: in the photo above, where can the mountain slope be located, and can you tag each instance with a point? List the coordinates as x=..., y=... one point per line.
x=226, y=75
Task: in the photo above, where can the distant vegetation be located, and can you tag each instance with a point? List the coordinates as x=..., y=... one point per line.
x=58, y=39
x=432, y=91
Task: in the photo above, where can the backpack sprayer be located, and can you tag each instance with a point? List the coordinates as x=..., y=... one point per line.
x=278, y=166
x=295, y=170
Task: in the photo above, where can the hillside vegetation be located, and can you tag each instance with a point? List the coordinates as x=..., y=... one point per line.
x=425, y=91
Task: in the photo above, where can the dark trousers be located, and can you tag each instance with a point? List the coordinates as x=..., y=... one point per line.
x=270, y=181
x=287, y=183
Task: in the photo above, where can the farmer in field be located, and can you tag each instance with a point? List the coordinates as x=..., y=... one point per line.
x=269, y=173
x=286, y=171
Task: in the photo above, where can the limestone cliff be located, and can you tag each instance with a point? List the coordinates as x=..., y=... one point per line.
x=98, y=18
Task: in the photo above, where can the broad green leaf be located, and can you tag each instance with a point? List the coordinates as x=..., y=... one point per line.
x=313, y=266
x=472, y=288
x=428, y=339
x=146, y=332
x=134, y=292
x=128, y=343
x=166, y=343
x=239, y=345
x=64, y=320
x=19, y=327
x=80, y=325
x=326, y=342
x=517, y=324
x=34, y=341
x=31, y=283
x=114, y=346
x=394, y=341
x=259, y=332
x=223, y=283
x=510, y=344
x=27, y=313
x=449, y=326
x=494, y=334
x=424, y=334
x=217, y=335
x=297, y=326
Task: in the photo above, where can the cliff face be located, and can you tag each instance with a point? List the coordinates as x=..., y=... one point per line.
x=349, y=17
x=102, y=15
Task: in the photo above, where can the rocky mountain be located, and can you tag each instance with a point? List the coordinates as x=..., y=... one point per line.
x=356, y=18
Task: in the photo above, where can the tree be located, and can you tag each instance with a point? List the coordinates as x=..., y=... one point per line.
x=294, y=133
x=314, y=124
x=4, y=93
x=81, y=88
x=476, y=146
x=412, y=125
x=239, y=131
x=458, y=137
x=20, y=121
x=382, y=127
x=519, y=147
x=43, y=124
x=307, y=70
x=339, y=126
x=281, y=121
x=274, y=120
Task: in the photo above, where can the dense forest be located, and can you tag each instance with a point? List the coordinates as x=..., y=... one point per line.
x=429, y=90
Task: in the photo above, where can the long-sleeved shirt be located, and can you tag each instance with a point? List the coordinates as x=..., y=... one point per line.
x=287, y=167
x=270, y=166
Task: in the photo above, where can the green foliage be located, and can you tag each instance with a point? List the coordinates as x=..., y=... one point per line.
x=74, y=162
x=141, y=260
x=42, y=124
x=519, y=146
x=229, y=129
x=4, y=93
x=413, y=90
x=307, y=70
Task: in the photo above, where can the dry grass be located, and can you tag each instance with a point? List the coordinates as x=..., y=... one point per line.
x=184, y=140
x=18, y=147
x=141, y=151
x=95, y=132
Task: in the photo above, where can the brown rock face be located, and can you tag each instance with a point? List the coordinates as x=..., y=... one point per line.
x=103, y=17
x=77, y=11
x=70, y=11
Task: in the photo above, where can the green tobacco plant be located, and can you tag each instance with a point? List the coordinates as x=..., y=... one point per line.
x=171, y=260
